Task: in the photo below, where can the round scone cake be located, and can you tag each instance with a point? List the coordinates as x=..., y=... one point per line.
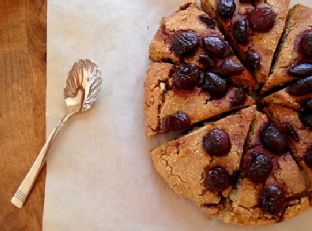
x=243, y=102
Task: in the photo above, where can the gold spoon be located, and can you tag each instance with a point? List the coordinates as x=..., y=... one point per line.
x=82, y=88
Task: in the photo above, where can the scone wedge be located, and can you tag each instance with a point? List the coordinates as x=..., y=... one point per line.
x=297, y=128
x=271, y=186
x=191, y=36
x=253, y=28
x=168, y=109
x=203, y=165
x=293, y=59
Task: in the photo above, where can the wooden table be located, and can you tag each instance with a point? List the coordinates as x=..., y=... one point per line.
x=22, y=107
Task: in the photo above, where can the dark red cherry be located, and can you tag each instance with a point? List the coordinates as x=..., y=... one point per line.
x=216, y=46
x=302, y=87
x=273, y=139
x=217, y=142
x=262, y=19
x=240, y=31
x=239, y=98
x=272, y=199
x=215, y=85
x=253, y=59
x=217, y=179
x=174, y=122
x=185, y=43
x=230, y=66
x=207, y=61
x=259, y=167
x=226, y=8
x=185, y=77
x=306, y=43
x=301, y=70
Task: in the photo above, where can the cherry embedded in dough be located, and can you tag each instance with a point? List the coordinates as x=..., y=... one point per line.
x=239, y=98
x=216, y=46
x=230, y=66
x=215, y=85
x=217, y=142
x=175, y=122
x=226, y=8
x=240, y=31
x=262, y=19
x=273, y=139
x=302, y=87
x=259, y=166
x=301, y=70
x=185, y=43
x=217, y=179
x=306, y=43
x=272, y=199
x=253, y=59
x=206, y=61
x=185, y=77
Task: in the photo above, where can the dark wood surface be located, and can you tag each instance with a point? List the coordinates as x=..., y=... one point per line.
x=22, y=107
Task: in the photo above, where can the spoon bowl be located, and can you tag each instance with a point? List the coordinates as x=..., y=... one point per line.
x=82, y=86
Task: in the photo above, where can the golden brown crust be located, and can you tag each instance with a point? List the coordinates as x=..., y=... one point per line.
x=264, y=43
x=181, y=162
x=160, y=101
x=299, y=20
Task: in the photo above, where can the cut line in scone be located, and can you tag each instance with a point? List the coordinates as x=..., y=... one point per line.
x=253, y=28
x=168, y=109
x=293, y=58
x=297, y=128
x=188, y=168
x=293, y=96
x=271, y=186
x=191, y=36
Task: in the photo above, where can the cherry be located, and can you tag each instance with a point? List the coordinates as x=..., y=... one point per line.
x=185, y=43
x=217, y=142
x=217, y=179
x=174, y=122
x=272, y=199
x=262, y=19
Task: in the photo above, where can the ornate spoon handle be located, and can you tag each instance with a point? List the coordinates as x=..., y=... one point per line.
x=23, y=190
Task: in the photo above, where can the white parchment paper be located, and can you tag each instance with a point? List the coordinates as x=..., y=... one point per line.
x=100, y=176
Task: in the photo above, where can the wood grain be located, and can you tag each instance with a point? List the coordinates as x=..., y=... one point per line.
x=22, y=107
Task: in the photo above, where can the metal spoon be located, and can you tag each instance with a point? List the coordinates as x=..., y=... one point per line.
x=82, y=88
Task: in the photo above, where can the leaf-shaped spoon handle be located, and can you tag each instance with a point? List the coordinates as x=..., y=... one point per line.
x=82, y=88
